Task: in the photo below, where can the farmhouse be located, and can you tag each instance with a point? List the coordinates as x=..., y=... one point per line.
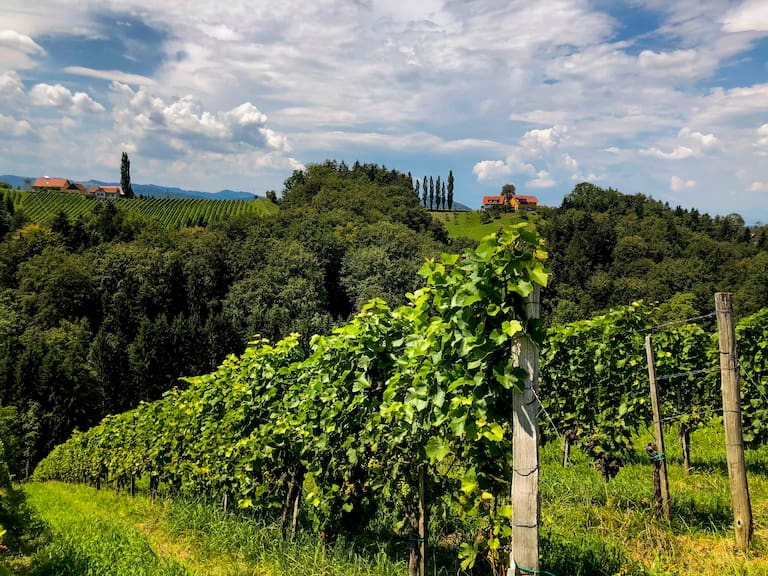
x=61, y=184
x=517, y=203
x=105, y=192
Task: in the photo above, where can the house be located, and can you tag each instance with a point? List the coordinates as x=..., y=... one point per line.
x=493, y=200
x=517, y=203
x=61, y=184
x=105, y=192
x=524, y=203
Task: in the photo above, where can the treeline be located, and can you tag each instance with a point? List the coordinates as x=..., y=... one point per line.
x=101, y=312
x=435, y=195
x=608, y=249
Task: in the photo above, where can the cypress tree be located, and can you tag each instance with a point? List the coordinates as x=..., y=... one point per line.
x=431, y=193
x=450, y=190
x=125, y=176
x=418, y=183
x=437, y=193
x=424, y=191
x=442, y=196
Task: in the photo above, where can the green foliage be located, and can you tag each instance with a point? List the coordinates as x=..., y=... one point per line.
x=426, y=388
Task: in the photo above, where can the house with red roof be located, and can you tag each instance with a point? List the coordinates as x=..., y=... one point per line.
x=61, y=184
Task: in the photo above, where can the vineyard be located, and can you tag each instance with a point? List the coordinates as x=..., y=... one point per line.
x=172, y=212
x=408, y=409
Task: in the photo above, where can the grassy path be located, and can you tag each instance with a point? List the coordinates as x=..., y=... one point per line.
x=100, y=533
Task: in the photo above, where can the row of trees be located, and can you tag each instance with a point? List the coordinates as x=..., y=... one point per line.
x=435, y=195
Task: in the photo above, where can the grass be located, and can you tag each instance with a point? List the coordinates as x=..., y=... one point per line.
x=468, y=224
x=588, y=527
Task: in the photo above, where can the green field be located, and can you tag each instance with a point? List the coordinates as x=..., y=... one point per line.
x=468, y=224
x=42, y=207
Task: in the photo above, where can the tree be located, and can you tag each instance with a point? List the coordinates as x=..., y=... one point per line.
x=508, y=190
x=424, y=191
x=437, y=193
x=125, y=176
x=418, y=182
x=271, y=195
x=431, y=193
x=450, y=190
x=442, y=196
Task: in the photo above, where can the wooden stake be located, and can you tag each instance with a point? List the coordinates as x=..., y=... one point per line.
x=734, y=441
x=658, y=430
x=423, y=524
x=525, y=458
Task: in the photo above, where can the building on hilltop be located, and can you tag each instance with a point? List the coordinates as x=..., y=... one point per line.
x=105, y=192
x=61, y=184
x=516, y=203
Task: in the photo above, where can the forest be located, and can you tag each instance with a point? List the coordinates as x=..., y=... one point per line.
x=109, y=309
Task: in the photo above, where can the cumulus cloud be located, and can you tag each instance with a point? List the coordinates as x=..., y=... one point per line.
x=58, y=96
x=11, y=87
x=676, y=184
x=10, y=126
x=759, y=187
x=491, y=169
x=536, y=141
x=690, y=144
x=542, y=180
x=184, y=124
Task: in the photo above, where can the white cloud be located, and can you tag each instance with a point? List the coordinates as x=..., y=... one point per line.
x=491, y=169
x=21, y=42
x=691, y=144
x=759, y=187
x=761, y=144
x=186, y=125
x=537, y=141
x=114, y=75
x=542, y=180
x=58, y=96
x=751, y=15
x=13, y=127
x=11, y=87
x=676, y=184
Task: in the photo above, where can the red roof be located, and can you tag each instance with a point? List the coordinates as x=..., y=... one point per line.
x=493, y=200
x=527, y=199
x=111, y=189
x=51, y=183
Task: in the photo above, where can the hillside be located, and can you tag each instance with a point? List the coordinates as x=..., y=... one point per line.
x=44, y=207
x=152, y=190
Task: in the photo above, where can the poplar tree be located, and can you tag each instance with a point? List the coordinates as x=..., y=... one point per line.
x=431, y=193
x=424, y=191
x=417, y=188
x=450, y=190
x=125, y=176
x=437, y=194
x=442, y=196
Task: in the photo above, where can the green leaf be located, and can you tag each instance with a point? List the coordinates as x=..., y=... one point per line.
x=437, y=449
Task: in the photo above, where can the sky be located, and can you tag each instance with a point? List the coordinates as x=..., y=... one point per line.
x=664, y=97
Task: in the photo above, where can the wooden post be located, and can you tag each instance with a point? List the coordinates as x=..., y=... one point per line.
x=658, y=430
x=568, y=438
x=525, y=459
x=734, y=441
x=423, y=523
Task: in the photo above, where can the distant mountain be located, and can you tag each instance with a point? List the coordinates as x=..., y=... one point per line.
x=147, y=189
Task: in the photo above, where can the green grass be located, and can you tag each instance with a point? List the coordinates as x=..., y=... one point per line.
x=588, y=527
x=468, y=224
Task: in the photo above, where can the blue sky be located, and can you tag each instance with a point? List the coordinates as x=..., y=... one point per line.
x=668, y=98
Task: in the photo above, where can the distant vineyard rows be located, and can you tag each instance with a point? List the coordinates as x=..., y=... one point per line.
x=172, y=212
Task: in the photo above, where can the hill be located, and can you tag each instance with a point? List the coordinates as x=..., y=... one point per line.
x=153, y=190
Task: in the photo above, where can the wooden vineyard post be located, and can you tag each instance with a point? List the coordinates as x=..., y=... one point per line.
x=423, y=523
x=524, y=556
x=734, y=441
x=658, y=458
